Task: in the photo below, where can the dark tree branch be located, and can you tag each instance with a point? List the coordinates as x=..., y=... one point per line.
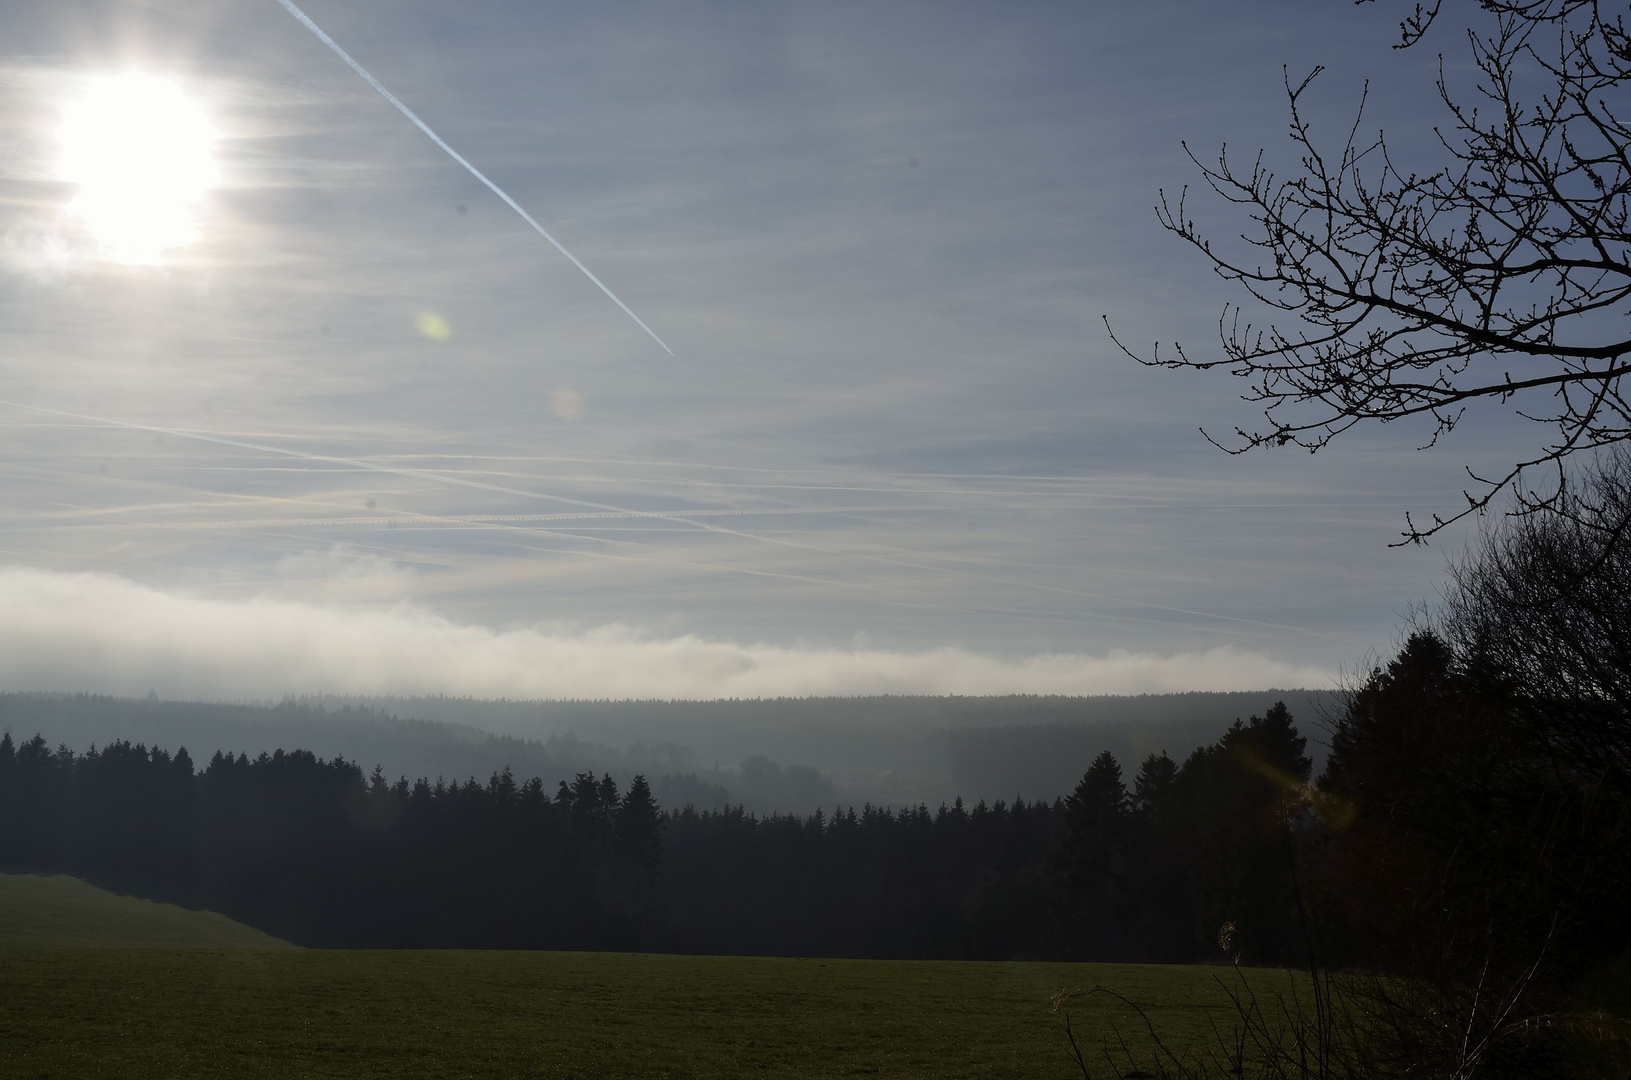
x=1407, y=294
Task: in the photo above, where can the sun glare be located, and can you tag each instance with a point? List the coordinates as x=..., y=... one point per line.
x=140, y=151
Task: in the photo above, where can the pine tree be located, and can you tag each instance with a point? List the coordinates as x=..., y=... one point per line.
x=638, y=827
x=1088, y=867
x=1155, y=779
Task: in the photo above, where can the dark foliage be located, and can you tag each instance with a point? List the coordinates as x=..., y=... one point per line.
x=1090, y=867
x=1493, y=883
x=315, y=851
x=1477, y=805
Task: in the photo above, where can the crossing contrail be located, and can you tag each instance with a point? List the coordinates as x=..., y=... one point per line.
x=907, y=559
x=305, y=21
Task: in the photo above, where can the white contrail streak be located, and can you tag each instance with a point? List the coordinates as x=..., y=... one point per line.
x=658, y=515
x=305, y=21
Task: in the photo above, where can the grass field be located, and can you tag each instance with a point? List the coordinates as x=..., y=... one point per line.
x=60, y=911
x=98, y=985
x=309, y=1013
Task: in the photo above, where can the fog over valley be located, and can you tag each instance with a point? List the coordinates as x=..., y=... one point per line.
x=771, y=756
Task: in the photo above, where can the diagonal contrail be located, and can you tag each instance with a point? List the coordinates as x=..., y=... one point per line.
x=305, y=21
x=910, y=559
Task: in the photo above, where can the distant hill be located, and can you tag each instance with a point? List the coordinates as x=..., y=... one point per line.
x=787, y=754
x=890, y=749
x=58, y=911
x=362, y=733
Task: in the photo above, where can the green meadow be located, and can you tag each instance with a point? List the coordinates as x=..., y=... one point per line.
x=57, y=911
x=195, y=1002
x=285, y=1013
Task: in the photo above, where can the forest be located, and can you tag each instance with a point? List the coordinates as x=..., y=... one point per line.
x=315, y=851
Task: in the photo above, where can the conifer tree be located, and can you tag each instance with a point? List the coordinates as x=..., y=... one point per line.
x=638, y=827
x=1088, y=867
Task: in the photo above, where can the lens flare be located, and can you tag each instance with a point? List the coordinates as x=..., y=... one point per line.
x=567, y=404
x=434, y=326
x=140, y=152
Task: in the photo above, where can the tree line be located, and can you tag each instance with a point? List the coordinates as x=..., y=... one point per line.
x=318, y=852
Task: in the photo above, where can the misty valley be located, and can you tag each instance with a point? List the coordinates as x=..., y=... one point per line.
x=317, y=851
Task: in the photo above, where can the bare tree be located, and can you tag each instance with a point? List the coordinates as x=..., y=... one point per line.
x=1504, y=276
x=1541, y=610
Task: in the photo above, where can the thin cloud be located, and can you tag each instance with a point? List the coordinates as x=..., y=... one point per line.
x=858, y=332
x=40, y=251
x=101, y=633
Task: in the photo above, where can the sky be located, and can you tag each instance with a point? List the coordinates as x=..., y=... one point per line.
x=353, y=427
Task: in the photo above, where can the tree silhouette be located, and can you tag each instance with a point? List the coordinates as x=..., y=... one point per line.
x=1486, y=874
x=1089, y=866
x=1502, y=275
x=638, y=827
x=319, y=852
x=1155, y=779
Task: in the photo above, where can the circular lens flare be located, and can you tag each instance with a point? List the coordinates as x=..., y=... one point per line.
x=140, y=152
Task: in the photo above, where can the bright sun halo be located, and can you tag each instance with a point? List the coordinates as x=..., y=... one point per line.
x=140, y=151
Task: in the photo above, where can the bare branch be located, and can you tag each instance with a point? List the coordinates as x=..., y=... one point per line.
x=1406, y=294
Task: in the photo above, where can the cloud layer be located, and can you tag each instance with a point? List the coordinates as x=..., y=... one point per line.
x=880, y=238
x=101, y=633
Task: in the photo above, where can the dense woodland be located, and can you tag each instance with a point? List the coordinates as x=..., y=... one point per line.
x=316, y=851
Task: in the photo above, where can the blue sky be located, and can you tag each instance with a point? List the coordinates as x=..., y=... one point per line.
x=894, y=450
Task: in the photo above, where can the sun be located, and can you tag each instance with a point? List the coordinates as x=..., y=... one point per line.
x=140, y=152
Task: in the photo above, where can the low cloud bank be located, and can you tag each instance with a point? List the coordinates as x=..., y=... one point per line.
x=105, y=634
